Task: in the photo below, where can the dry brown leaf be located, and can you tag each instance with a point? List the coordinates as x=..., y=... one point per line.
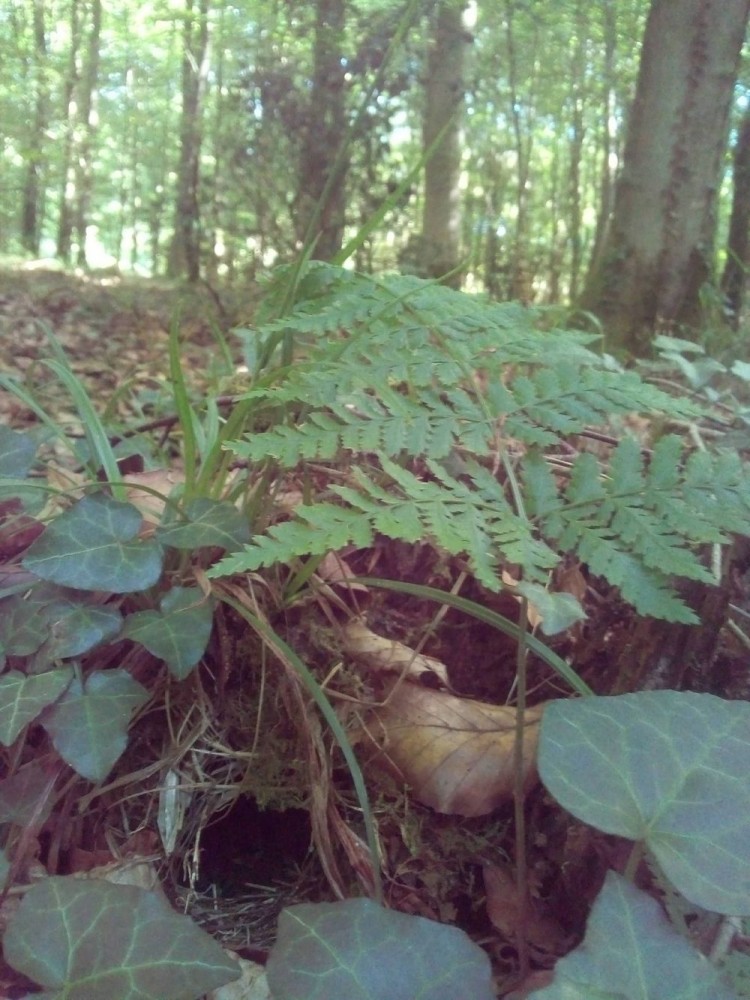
x=456, y=753
x=544, y=935
x=333, y=569
x=151, y=504
x=570, y=580
x=379, y=653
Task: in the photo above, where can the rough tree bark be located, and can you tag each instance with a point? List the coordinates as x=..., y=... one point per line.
x=444, y=98
x=658, y=252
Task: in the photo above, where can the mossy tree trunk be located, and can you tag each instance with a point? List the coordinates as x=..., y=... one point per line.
x=659, y=250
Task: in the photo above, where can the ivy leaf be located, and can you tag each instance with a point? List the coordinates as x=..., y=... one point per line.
x=209, y=523
x=179, y=632
x=22, y=698
x=631, y=952
x=95, y=546
x=92, y=940
x=25, y=795
x=558, y=610
x=17, y=453
x=89, y=724
x=63, y=621
x=668, y=768
x=357, y=950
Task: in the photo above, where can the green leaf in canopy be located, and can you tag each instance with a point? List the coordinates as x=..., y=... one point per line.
x=357, y=950
x=89, y=724
x=95, y=546
x=631, y=952
x=209, y=523
x=669, y=768
x=22, y=698
x=179, y=632
x=92, y=940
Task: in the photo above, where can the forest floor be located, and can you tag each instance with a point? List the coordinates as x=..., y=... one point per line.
x=115, y=334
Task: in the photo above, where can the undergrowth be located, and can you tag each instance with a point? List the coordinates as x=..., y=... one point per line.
x=373, y=409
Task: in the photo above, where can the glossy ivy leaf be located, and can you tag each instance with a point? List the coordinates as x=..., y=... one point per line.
x=91, y=940
x=95, y=546
x=17, y=451
x=22, y=698
x=357, y=950
x=89, y=724
x=632, y=952
x=179, y=632
x=669, y=768
x=209, y=523
x=64, y=621
x=24, y=796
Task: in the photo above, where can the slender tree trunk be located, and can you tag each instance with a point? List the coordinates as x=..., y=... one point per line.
x=738, y=244
x=184, y=253
x=575, y=144
x=32, y=208
x=82, y=172
x=521, y=118
x=607, y=182
x=321, y=196
x=659, y=250
x=444, y=93
x=65, y=217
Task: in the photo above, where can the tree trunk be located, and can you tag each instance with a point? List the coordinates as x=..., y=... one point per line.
x=65, y=217
x=184, y=252
x=522, y=119
x=738, y=243
x=608, y=132
x=321, y=196
x=83, y=143
x=658, y=253
x=31, y=208
x=444, y=99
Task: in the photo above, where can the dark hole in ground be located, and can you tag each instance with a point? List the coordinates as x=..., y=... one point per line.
x=253, y=846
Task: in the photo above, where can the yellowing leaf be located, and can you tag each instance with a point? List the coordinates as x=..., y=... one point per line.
x=455, y=753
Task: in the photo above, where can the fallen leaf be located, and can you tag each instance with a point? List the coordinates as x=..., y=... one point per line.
x=252, y=984
x=333, y=569
x=151, y=501
x=505, y=910
x=379, y=653
x=457, y=754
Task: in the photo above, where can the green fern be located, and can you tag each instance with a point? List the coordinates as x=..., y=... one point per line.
x=440, y=404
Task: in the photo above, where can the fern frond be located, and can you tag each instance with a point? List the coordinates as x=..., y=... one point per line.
x=642, y=523
x=403, y=375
